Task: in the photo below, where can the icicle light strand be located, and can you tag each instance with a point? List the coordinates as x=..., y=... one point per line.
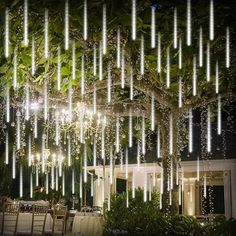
x=104, y=30
x=66, y=25
x=189, y=23
x=153, y=27
x=46, y=34
x=26, y=41
x=180, y=92
x=175, y=27
x=85, y=20
x=208, y=65
x=171, y=134
x=142, y=56
x=219, y=116
x=211, y=21
x=134, y=19
x=208, y=129
x=159, y=53
x=7, y=33
x=200, y=48
x=227, y=48
x=168, y=67
x=130, y=128
x=190, y=144
x=152, y=112
x=194, y=77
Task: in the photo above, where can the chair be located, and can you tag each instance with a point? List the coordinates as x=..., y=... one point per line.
x=39, y=219
x=10, y=218
x=59, y=220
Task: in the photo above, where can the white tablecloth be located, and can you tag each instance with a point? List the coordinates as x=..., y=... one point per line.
x=25, y=221
x=88, y=224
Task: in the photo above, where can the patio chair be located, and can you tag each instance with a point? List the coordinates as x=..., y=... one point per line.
x=10, y=218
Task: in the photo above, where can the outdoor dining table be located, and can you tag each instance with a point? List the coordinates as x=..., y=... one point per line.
x=88, y=224
x=25, y=221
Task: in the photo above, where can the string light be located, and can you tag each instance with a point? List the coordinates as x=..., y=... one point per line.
x=219, y=115
x=130, y=128
x=31, y=185
x=123, y=68
x=153, y=27
x=159, y=52
x=21, y=181
x=200, y=48
x=109, y=83
x=168, y=67
x=85, y=21
x=33, y=57
x=82, y=75
x=211, y=28
x=73, y=61
x=117, y=134
x=175, y=27
x=180, y=53
x=7, y=149
x=180, y=92
x=158, y=143
x=104, y=30
x=7, y=33
x=18, y=133
x=15, y=84
x=131, y=85
x=29, y=151
x=126, y=163
x=171, y=134
x=26, y=41
x=66, y=25
x=100, y=61
x=134, y=19
x=8, y=104
x=142, y=56
x=152, y=112
x=143, y=135
x=111, y=165
x=94, y=151
x=94, y=60
x=85, y=163
x=190, y=145
x=13, y=163
x=118, y=49
x=46, y=33
x=59, y=69
x=208, y=66
x=45, y=99
x=73, y=181
x=227, y=48
x=208, y=129
x=189, y=30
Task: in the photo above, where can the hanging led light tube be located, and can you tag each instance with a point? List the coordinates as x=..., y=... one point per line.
x=73, y=61
x=117, y=134
x=211, y=20
x=175, y=27
x=13, y=163
x=208, y=129
x=180, y=54
x=168, y=67
x=190, y=144
x=100, y=61
x=200, y=48
x=208, y=66
x=159, y=52
x=131, y=85
x=171, y=134
x=33, y=56
x=142, y=56
x=8, y=104
x=130, y=128
x=66, y=25
x=58, y=69
x=194, y=77
x=180, y=92
x=189, y=30
x=219, y=115
x=153, y=27
x=118, y=49
x=109, y=83
x=7, y=33
x=15, y=83
x=26, y=41
x=21, y=181
x=7, y=149
x=29, y=151
x=104, y=30
x=152, y=112
x=123, y=68
x=82, y=76
x=217, y=77
x=85, y=163
x=111, y=166
x=85, y=20
x=158, y=143
x=94, y=152
x=46, y=33
x=143, y=135
x=227, y=48
x=94, y=60
x=126, y=163
x=134, y=19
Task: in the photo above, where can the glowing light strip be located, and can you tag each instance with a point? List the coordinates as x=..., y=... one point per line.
x=175, y=28
x=208, y=129
x=91, y=187
x=63, y=183
x=189, y=22
x=103, y=142
x=123, y=68
x=109, y=83
x=27, y=101
x=198, y=169
x=180, y=92
x=31, y=185
x=219, y=115
x=100, y=61
x=117, y=134
x=217, y=77
x=85, y=20
x=7, y=33
x=18, y=133
x=182, y=179
x=94, y=60
x=134, y=19
x=29, y=151
x=131, y=85
x=56, y=179
x=33, y=56
x=171, y=134
x=130, y=128
x=36, y=175
x=52, y=176
x=85, y=163
x=94, y=151
x=35, y=125
x=46, y=176
x=153, y=28
x=70, y=104
x=208, y=66
x=180, y=53
x=138, y=155
x=45, y=99
x=204, y=186
x=81, y=121
x=69, y=150
x=180, y=195
x=194, y=77
x=8, y=104
x=46, y=34
x=104, y=30
x=66, y=25
x=158, y=143
x=142, y=56
x=59, y=69
x=13, y=163
x=26, y=41
x=190, y=144
x=227, y=48
x=170, y=197
x=143, y=136
x=168, y=67
x=200, y=48
x=109, y=200
x=118, y=48
x=73, y=61
x=152, y=112
x=21, y=181
x=159, y=52
x=111, y=166
x=82, y=75
x=73, y=181
x=211, y=28
x=43, y=152
x=15, y=84
x=126, y=163
x=171, y=174
x=94, y=99
x=7, y=149
x=133, y=185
